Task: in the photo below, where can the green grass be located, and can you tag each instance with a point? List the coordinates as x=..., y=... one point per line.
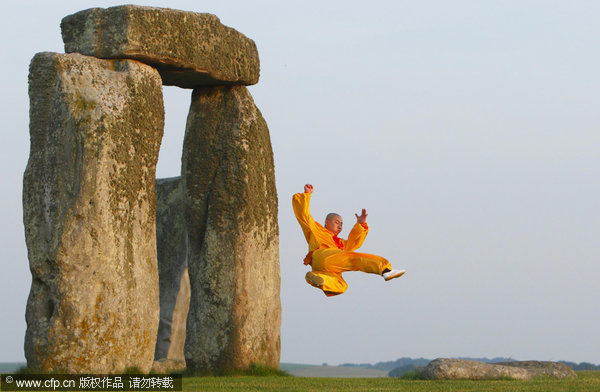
x=254, y=371
x=585, y=382
x=265, y=380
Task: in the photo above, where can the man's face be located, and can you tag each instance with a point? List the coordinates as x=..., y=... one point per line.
x=334, y=224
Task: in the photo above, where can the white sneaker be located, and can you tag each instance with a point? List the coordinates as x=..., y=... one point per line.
x=315, y=279
x=393, y=274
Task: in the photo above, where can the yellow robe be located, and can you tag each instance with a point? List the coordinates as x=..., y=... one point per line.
x=326, y=259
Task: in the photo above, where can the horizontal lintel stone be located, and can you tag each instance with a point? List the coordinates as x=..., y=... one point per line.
x=189, y=49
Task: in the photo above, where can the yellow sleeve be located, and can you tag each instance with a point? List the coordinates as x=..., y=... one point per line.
x=356, y=237
x=301, y=204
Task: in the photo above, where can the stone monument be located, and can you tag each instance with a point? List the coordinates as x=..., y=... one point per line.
x=90, y=203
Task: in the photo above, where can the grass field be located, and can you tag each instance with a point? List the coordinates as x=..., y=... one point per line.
x=585, y=382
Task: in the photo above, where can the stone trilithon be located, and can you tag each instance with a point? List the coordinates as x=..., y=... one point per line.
x=90, y=203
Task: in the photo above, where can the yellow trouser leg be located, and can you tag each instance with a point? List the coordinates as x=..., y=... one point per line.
x=330, y=263
x=333, y=284
x=340, y=261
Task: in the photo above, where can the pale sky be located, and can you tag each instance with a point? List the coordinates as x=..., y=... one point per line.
x=469, y=130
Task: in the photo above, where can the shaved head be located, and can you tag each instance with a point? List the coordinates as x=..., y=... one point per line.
x=332, y=215
x=334, y=223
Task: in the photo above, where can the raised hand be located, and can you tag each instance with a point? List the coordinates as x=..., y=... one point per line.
x=362, y=218
x=308, y=188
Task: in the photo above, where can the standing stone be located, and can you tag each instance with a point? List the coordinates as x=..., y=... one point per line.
x=173, y=360
x=179, y=319
x=171, y=242
x=233, y=257
x=89, y=212
x=189, y=49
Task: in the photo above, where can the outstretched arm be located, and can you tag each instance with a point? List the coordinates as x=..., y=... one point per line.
x=301, y=204
x=358, y=233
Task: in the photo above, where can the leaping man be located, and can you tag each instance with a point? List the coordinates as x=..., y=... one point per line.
x=330, y=256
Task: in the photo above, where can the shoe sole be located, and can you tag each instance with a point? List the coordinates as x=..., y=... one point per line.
x=396, y=275
x=315, y=280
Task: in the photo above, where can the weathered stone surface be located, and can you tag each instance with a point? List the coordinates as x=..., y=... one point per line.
x=233, y=258
x=442, y=368
x=543, y=368
x=171, y=243
x=167, y=366
x=89, y=213
x=189, y=49
x=180, y=314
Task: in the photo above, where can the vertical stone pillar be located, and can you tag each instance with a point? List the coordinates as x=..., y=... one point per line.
x=89, y=212
x=233, y=256
x=179, y=319
x=171, y=241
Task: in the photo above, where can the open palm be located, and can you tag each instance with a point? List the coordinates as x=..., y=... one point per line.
x=362, y=218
